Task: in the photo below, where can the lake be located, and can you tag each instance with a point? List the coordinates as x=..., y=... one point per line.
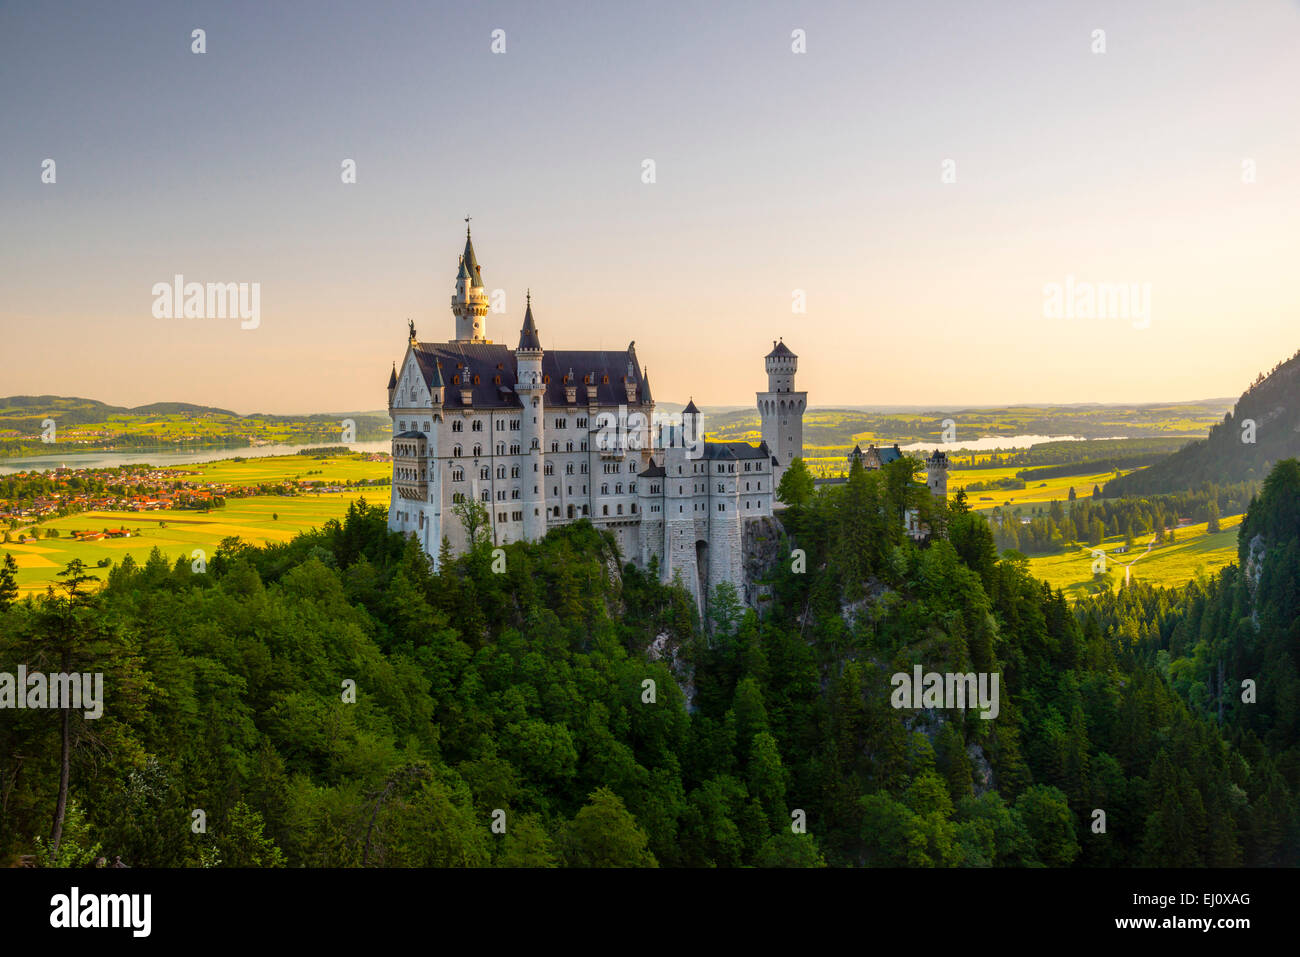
x=108, y=460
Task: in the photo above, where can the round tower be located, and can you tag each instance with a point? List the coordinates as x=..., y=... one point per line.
x=936, y=474
x=781, y=365
x=781, y=409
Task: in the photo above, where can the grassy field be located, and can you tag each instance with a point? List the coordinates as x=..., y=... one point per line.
x=1034, y=493
x=275, y=468
x=257, y=520
x=1193, y=553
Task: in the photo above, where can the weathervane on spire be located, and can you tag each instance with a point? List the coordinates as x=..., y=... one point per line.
x=467, y=219
x=529, y=296
x=411, y=323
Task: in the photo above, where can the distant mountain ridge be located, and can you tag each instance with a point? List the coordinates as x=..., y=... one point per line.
x=75, y=410
x=81, y=424
x=1267, y=413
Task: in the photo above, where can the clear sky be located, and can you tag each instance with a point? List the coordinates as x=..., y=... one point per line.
x=775, y=172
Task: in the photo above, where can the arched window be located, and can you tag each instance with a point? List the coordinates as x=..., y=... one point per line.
x=456, y=451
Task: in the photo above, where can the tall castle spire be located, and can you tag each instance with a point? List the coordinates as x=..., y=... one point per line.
x=470, y=303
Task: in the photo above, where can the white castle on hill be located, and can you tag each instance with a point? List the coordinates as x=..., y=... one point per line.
x=544, y=438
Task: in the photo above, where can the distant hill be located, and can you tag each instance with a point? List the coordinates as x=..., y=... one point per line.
x=1268, y=412
x=89, y=425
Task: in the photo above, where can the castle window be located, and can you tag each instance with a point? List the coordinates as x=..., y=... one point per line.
x=555, y=490
x=568, y=469
x=546, y=379
x=604, y=380
x=501, y=472
x=514, y=471
x=584, y=510
x=584, y=468
x=478, y=425
x=517, y=516
x=514, y=425
x=604, y=490
x=455, y=451
x=486, y=496
x=476, y=380
x=568, y=446
x=501, y=448
x=582, y=423
x=555, y=446
x=550, y=468
x=501, y=495
x=605, y=509
x=721, y=507
x=620, y=510
x=632, y=488
x=721, y=487
x=457, y=475
x=401, y=425
x=485, y=473
x=458, y=496
x=478, y=450
x=634, y=508
x=514, y=449
x=458, y=426
x=455, y=380
x=618, y=489
x=515, y=494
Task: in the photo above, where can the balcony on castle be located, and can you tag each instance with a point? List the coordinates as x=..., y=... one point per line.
x=411, y=466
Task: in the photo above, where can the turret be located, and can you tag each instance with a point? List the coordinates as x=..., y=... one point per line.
x=531, y=390
x=470, y=303
x=936, y=474
x=691, y=424
x=781, y=366
x=392, y=386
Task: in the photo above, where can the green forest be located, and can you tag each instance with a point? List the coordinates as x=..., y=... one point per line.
x=332, y=701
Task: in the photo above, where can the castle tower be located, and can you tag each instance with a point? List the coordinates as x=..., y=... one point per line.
x=936, y=474
x=531, y=391
x=691, y=425
x=781, y=409
x=470, y=304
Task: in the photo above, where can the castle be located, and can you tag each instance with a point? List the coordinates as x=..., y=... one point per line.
x=547, y=437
